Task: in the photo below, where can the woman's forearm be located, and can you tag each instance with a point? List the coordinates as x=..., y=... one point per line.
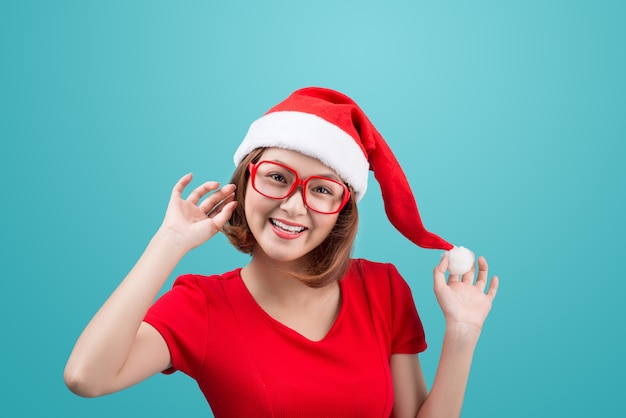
x=104, y=345
x=448, y=390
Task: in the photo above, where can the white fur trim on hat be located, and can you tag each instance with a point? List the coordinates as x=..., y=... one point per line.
x=313, y=136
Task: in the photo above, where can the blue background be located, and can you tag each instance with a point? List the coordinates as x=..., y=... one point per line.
x=508, y=117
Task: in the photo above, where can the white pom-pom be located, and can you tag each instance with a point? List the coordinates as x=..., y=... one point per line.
x=460, y=260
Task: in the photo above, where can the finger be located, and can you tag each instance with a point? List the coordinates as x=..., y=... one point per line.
x=181, y=184
x=483, y=269
x=439, y=273
x=493, y=288
x=212, y=203
x=224, y=215
x=212, y=211
x=468, y=277
x=197, y=193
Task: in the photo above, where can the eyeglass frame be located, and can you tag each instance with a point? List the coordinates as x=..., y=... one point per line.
x=252, y=169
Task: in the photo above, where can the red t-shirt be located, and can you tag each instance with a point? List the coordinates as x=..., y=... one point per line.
x=247, y=364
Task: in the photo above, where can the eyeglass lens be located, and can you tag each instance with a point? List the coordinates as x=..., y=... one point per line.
x=321, y=194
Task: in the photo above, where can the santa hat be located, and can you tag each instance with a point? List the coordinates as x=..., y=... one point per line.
x=331, y=127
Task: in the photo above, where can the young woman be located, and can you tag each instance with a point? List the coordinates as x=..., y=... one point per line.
x=302, y=330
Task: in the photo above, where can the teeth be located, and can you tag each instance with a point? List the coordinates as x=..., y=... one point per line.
x=288, y=228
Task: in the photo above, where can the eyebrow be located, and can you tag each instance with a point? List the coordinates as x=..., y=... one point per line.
x=328, y=175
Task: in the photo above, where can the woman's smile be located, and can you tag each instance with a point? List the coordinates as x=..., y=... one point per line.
x=287, y=230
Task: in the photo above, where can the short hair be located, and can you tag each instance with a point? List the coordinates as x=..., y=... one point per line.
x=326, y=263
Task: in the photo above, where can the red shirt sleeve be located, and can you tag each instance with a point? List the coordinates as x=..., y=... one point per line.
x=180, y=315
x=407, y=330
x=393, y=309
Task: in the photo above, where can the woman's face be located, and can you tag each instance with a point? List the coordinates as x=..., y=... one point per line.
x=285, y=230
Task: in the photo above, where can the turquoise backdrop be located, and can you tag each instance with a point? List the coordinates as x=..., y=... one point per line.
x=508, y=117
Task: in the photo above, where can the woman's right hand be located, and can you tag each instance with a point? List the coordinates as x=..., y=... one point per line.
x=193, y=221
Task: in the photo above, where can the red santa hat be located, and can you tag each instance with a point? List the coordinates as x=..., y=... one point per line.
x=331, y=127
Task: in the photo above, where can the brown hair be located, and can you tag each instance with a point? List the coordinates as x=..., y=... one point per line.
x=328, y=262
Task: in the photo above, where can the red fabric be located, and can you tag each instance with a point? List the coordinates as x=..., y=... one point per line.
x=249, y=365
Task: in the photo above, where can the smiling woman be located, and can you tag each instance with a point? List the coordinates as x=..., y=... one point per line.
x=263, y=214
x=285, y=335
x=325, y=263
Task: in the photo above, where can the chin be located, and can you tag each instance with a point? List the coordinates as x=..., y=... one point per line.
x=281, y=253
x=283, y=257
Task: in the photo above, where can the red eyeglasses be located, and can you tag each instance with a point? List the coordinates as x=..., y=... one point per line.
x=278, y=181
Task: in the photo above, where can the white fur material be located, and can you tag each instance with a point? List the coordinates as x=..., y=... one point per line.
x=460, y=260
x=312, y=136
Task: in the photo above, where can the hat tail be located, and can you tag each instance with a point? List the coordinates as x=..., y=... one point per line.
x=400, y=204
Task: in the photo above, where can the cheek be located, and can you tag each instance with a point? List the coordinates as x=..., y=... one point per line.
x=250, y=207
x=247, y=201
x=256, y=205
x=325, y=223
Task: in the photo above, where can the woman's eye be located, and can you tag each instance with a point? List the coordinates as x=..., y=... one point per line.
x=322, y=190
x=277, y=177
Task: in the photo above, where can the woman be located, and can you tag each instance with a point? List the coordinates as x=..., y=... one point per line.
x=303, y=329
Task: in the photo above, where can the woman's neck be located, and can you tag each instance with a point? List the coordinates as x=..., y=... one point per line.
x=270, y=281
x=310, y=311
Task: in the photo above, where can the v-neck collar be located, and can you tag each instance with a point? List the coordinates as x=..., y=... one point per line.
x=278, y=324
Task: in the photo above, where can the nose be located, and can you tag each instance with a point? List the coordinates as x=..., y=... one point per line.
x=294, y=203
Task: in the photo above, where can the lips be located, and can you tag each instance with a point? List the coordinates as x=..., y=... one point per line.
x=287, y=228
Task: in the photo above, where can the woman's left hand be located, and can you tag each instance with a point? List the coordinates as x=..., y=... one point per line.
x=463, y=301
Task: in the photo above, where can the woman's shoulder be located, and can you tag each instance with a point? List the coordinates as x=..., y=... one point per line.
x=379, y=288
x=374, y=276
x=203, y=281
x=379, y=279
x=364, y=269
